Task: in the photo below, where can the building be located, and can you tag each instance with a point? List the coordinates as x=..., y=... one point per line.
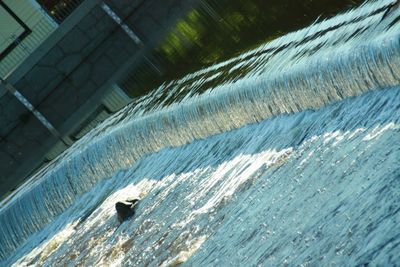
x=53, y=94
x=24, y=26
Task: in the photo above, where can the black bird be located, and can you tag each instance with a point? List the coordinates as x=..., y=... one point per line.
x=126, y=209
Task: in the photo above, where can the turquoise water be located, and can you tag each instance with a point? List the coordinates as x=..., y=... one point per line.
x=294, y=162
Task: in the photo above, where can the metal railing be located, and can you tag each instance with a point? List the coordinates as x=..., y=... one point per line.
x=31, y=26
x=59, y=10
x=34, y=21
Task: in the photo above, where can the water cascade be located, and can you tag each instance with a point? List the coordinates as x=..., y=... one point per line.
x=301, y=121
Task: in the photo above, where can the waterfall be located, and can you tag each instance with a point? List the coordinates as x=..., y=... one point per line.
x=346, y=56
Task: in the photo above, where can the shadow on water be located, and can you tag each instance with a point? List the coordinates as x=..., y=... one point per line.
x=218, y=30
x=277, y=134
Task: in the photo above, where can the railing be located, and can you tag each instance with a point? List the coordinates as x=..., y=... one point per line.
x=29, y=22
x=59, y=10
x=27, y=26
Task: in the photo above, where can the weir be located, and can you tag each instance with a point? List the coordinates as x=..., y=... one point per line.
x=349, y=55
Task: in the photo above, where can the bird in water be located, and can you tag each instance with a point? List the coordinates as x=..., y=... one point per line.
x=126, y=209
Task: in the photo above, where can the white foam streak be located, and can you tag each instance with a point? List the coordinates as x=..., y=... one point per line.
x=308, y=69
x=309, y=182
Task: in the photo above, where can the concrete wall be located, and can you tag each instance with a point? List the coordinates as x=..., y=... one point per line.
x=66, y=78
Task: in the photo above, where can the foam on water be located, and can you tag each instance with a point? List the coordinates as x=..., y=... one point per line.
x=215, y=147
x=317, y=187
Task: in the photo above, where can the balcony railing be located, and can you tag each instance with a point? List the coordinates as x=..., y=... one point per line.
x=59, y=10
x=28, y=24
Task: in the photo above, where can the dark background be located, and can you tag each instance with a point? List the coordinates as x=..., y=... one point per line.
x=217, y=30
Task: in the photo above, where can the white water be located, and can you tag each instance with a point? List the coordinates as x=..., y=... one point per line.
x=317, y=186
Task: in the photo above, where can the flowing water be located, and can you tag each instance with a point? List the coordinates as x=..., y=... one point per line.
x=291, y=158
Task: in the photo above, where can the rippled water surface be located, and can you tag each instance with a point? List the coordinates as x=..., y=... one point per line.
x=318, y=187
x=295, y=161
